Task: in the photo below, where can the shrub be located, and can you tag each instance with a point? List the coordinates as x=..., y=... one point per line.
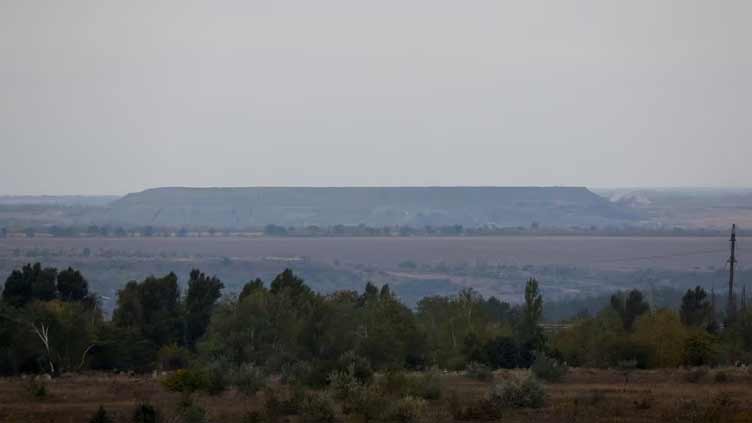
x=100, y=416
x=275, y=407
x=186, y=381
x=695, y=375
x=317, y=407
x=426, y=386
x=548, y=369
x=367, y=401
x=173, y=357
x=626, y=367
x=700, y=350
x=37, y=388
x=216, y=377
x=721, y=377
x=473, y=409
x=479, y=371
x=342, y=384
x=254, y=417
x=593, y=397
x=358, y=366
x=645, y=402
x=194, y=413
x=249, y=379
x=394, y=380
x=146, y=413
x=518, y=393
x=295, y=373
x=407, y=410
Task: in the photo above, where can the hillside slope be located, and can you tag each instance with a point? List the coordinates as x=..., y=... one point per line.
x=416, y=206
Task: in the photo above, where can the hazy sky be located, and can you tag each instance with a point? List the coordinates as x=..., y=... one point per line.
x=100, y=97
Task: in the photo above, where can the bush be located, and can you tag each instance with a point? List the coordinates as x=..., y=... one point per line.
x=249, y=379
x=186, y=381
x=254, y=417
x=343, y=384
x=194, y=413
x=518, y=393
x=317, y=408
x=548, y=369
x=407, y=410
x=367, y=401
x=696, y=375
x=479, y=371
x=645, y=402
x=358, y=366
x=297, y=373
x=100, y=416
x=173, y=357
x=721, y=377
x=37, y=388
x=593, y=397
x=216, y=377
x=426, y=386
x=275, y=407
x=146, y=413
x=395, y=381
x=472, y=409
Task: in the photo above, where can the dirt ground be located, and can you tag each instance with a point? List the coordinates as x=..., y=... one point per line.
x=585, y=395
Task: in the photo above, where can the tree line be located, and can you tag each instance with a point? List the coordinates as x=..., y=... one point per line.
x=50, y=322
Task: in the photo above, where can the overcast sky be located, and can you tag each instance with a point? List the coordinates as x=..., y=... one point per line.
x=110, y=97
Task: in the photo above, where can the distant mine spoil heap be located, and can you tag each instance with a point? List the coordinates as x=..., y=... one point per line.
x=375, y=206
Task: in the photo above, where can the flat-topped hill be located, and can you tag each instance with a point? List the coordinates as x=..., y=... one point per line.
x=415, y=206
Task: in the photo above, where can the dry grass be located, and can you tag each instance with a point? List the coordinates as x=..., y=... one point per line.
x=586, y=395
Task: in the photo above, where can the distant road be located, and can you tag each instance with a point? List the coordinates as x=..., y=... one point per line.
x=627, y=253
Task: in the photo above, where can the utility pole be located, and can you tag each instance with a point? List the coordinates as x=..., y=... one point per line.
x=731, y=310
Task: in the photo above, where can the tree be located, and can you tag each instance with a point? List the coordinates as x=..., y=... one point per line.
x=533, y=309
x=203, y=292
x=502, y=352
x=529, y=333
x=251, y=287
x=30, y=283
x=629, y=307
x=152, y=308
x=290, y=285
x=71, y=285
x=695, y=308
x=58, y=334
x=664, y=336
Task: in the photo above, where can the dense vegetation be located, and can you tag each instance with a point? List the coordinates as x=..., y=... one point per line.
x=51, y=323
x=341, y=341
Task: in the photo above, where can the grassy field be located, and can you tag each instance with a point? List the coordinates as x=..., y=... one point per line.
x=585, y=395
x=616, y=253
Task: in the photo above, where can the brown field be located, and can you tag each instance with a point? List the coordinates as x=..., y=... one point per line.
x=613, y=253
x=584, y=396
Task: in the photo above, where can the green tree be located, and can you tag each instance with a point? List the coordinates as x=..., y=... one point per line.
x=251, y=287
x=32, y=282
x=203, y=293
x=71, y=285
x=152, y=308
x=663, y=334
x=696, y=308
x=629, y=306
x=533, y=309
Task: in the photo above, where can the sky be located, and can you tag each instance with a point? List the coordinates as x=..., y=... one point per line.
x=111, y=97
